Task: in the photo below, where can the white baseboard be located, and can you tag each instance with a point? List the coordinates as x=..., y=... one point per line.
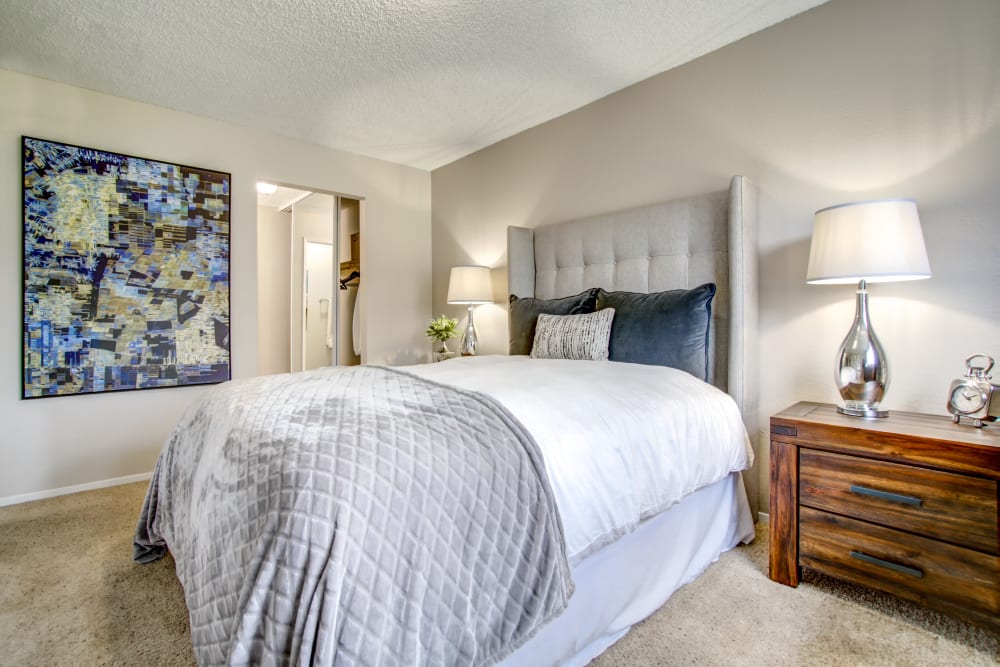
x=764, y=517
x=76, y=488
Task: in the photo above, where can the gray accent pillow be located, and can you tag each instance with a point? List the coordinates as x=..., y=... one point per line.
x=573, y=336
x=663, y=328
x=524, y=314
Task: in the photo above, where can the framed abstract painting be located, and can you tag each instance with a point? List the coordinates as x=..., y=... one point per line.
x=126, y=272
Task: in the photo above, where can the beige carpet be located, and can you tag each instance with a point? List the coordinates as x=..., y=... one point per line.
x=71, y=595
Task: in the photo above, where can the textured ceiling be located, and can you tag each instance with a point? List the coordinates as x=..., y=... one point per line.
x=418, y=82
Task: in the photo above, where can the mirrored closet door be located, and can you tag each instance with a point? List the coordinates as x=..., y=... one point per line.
x=309, y=277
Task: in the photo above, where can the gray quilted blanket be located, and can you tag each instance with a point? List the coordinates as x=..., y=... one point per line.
x=358, y=516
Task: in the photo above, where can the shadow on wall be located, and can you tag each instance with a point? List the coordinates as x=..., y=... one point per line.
x=485, y=249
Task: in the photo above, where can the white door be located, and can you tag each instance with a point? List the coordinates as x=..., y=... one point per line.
x=319, y=307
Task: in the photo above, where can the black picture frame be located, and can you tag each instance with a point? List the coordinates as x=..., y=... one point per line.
x=126, y=272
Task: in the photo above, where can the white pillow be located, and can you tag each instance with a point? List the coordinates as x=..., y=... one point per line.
x=573, y=336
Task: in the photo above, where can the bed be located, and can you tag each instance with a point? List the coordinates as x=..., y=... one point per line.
x=458, y=533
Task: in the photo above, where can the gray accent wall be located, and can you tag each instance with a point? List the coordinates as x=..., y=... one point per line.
x=852, y=100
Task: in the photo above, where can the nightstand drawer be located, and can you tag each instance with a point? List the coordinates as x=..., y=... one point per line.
x=906, y=565
x=955, y=508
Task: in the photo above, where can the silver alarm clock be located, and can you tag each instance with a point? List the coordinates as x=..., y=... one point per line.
x=974, y=396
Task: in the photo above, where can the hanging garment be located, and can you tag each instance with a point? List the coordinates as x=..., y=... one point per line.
x=356, y=324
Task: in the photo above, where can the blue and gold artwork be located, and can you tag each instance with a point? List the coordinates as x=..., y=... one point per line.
x=126, y=272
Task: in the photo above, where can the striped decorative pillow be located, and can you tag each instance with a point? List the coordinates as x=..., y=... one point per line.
x=573, y=336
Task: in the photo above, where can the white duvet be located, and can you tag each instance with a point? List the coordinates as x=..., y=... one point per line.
x=622, y=442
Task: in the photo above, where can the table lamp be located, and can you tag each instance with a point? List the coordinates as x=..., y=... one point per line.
x=875, y=241
x=470, y=285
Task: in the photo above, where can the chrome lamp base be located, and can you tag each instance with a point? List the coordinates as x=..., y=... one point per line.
x=862, y=412
x=470, y=339
x=862, y=372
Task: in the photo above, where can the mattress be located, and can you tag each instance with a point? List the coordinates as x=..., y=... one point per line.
x=621, y=442
x=644, y=463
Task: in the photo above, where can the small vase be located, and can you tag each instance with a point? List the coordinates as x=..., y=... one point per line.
x=441, y=351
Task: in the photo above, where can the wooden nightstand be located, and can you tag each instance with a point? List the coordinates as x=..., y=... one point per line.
x=905, y=504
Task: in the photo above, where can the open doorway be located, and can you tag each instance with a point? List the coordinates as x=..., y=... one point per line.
x=309, y=276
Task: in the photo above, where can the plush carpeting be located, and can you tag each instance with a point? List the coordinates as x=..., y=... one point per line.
x=71, y=595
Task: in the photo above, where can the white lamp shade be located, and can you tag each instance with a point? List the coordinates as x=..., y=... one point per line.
x=470, y=284
x=877, y=241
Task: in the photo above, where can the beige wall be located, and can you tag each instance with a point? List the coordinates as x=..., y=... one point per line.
x=853, y=100
x=59, y=442
x=274, y=290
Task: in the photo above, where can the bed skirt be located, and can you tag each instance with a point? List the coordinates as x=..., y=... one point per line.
x=628, y=580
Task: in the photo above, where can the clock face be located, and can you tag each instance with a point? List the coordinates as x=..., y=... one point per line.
x=967, y=399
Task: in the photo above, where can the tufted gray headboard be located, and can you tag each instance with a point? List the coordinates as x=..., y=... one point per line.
x=674, y=244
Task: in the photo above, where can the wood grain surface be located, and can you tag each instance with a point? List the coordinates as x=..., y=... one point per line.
x=920, y=522
x=951, y=578
x=783, y=556
x=958, y=509
x=903, y=437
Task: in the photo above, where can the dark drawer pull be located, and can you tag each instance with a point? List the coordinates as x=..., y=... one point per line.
x=887, y=564
x=885, y=495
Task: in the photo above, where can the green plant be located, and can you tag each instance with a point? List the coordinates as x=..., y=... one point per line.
x=442, y=329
